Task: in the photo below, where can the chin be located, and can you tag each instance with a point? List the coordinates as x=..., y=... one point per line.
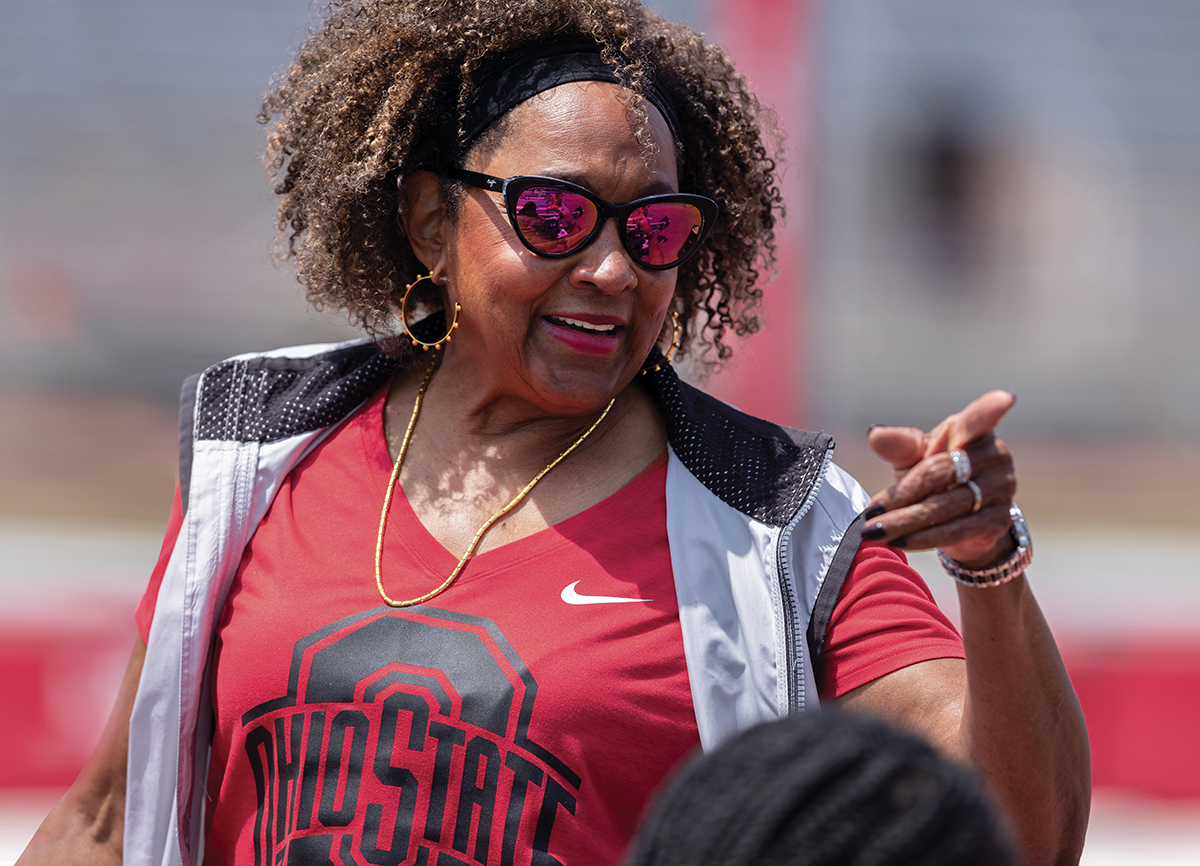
x=583, y=390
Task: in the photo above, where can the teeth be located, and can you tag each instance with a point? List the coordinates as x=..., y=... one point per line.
x=586, y=326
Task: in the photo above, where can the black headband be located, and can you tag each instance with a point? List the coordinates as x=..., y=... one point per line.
x=506, y=83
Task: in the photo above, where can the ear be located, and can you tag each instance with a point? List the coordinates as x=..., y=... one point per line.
x=423, y=214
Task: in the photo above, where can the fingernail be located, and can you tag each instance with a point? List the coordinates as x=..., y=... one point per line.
x=874, y=532
x=1014, y=396
x=872, y=427
x=874, y=511
x=898, y=542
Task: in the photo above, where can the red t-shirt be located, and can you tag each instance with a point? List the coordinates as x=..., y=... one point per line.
x=496, y=720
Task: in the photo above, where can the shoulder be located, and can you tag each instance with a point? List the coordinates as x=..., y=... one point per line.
x=766, y=471
x=265, y=396
x=841, y=495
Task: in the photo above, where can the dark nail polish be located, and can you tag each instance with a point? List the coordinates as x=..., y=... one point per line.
x=874, y=532
x=874, y=511
x=898, y=542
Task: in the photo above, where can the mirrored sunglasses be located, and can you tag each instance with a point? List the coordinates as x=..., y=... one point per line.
x=554, y=218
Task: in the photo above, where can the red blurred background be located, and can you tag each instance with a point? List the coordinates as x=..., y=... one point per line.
x=988, y=194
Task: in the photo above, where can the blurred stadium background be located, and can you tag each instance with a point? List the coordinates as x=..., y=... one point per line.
x=982, y=193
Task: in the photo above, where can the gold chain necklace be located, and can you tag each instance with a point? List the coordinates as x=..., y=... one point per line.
x=387, y=499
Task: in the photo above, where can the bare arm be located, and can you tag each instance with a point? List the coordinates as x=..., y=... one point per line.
x=87, y=825
x=1009, y=708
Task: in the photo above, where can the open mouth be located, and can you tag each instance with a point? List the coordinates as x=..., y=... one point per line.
x=590, y=338
x=584, y=327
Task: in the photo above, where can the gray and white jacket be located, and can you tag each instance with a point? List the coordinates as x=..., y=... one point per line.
x=758, y=520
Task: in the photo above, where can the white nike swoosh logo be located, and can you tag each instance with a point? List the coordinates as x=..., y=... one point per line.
x=570, y=596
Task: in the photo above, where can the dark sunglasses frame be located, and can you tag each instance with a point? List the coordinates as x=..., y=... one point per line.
x=512, y=187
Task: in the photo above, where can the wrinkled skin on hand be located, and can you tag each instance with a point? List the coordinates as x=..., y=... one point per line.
x=925, y=507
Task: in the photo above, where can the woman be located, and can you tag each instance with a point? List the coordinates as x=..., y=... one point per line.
x=471, y=604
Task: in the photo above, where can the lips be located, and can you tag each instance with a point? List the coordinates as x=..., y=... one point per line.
x=581, y=325
x=591, y=335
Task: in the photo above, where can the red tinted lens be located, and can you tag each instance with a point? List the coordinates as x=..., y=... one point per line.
x=663, y=233
x=554, y=221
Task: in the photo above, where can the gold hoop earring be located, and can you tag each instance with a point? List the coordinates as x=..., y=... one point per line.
x=416, y=341
x=676, y=337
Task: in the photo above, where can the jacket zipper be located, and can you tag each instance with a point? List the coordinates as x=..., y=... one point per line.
x=791, y=606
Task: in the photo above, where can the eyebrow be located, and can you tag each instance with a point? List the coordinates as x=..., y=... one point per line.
x=658, y=187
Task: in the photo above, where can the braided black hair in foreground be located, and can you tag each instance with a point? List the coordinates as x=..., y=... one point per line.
x=822, y=789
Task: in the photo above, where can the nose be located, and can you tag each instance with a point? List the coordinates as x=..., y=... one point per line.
x=605, y=264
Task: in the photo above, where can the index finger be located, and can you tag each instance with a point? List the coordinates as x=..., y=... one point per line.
x=978, y=419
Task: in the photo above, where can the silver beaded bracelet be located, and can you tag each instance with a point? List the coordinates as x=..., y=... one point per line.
x=980, y=578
